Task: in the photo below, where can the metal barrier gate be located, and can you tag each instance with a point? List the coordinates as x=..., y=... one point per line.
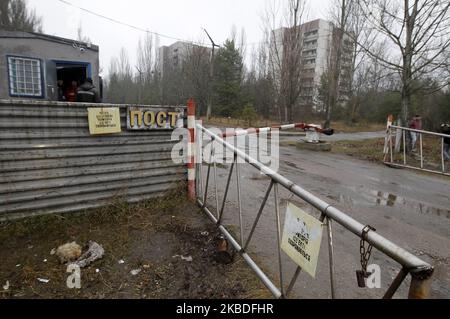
x=402, y=133
x=420, y=271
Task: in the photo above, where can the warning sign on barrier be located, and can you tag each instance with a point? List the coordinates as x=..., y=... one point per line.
x=302, y=237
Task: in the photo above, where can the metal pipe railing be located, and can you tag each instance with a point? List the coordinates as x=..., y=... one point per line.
x=421, y=133
x=420, y=270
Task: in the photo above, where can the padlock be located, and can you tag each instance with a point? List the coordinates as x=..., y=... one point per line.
x=223, y=254
x=361, y=276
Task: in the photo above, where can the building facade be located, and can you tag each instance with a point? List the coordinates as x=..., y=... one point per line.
x=172, y=57
x=171, y=61
x=318, y=45
x=33, y=63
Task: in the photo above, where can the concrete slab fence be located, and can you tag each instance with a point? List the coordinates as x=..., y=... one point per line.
x=49, y=162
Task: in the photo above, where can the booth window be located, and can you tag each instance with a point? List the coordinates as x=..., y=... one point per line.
x=25, y=77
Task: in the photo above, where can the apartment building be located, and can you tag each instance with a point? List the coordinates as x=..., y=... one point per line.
x=318, y=39
x=171, y=57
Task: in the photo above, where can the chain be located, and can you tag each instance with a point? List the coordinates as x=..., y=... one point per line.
x=365, y=253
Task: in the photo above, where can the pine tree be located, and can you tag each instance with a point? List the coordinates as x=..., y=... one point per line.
x=228, y=74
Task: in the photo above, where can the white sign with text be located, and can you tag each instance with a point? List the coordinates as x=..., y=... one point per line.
x=302, y=237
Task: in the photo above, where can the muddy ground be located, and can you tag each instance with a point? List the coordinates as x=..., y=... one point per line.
x=147, y=236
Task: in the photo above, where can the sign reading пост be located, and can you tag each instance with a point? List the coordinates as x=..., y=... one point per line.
x=302, y=237
x=148, y=118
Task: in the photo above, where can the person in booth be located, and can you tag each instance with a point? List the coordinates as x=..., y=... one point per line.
x=61, y=95
x=71, y=93
x=87, y=92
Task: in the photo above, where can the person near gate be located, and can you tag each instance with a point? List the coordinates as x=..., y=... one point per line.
x=445, y=129
x=416, y=124
x=87, y=92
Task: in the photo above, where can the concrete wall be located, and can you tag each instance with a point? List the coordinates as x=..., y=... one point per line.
x=50, y=163
x=32, y=46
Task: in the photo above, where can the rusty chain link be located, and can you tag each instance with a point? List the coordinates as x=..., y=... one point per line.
x=365, y=253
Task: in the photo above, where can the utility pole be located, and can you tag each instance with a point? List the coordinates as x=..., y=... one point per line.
x=211, y=75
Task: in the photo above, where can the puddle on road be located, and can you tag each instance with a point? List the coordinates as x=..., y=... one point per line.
x=379, y=198
x=392, y=200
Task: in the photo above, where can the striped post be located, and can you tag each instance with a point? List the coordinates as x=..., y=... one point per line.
x=191, y=150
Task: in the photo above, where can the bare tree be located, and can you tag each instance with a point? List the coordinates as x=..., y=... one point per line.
x=285, y=62
x=127, y=90
x=264, y=97
x=80, y=35
x=15, y=16
x=359, y=72
x=342, y=13
x=363, y=67
x=4, y=14
x=124, y=66
x=145, y=68
x=418, y=32
x=145, y=58
x=196, y=69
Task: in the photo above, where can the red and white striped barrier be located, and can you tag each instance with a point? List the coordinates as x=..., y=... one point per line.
x=192, y=146
x=191, y=150
x=302, y=126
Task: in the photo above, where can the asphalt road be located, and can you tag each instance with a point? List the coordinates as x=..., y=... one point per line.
x=408, y=208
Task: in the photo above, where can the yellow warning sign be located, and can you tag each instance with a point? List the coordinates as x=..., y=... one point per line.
x=104, y=120
x=302, y=237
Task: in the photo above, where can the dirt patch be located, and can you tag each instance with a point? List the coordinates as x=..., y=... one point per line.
x=151, y=236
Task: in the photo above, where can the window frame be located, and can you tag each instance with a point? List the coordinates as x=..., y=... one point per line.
x=10, y=84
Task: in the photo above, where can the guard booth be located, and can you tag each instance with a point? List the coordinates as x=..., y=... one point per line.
x=36, y=62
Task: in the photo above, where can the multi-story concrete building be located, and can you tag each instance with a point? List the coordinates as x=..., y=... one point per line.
x=318, y=45
x=171, y=61
x=171, y=57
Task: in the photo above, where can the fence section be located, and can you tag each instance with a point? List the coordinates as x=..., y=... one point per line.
x=420, y=271
x=50, y=163
x=418, y=150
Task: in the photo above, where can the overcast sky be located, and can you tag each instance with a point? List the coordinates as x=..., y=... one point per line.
x=182, y=19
